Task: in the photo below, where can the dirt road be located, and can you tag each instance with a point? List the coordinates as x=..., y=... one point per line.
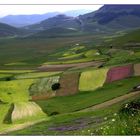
x=111, y=102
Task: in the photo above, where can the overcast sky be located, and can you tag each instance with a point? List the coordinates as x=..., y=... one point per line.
x=40, y=9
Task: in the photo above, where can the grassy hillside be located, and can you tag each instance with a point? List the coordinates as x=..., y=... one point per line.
x=129, y=40
x=57, y=32
x=10, y=31
x=29, y=52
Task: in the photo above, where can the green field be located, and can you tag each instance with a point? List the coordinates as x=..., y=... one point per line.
x=15, y=91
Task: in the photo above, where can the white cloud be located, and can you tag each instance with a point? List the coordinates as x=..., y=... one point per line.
x=70, y=1
x=40, y=9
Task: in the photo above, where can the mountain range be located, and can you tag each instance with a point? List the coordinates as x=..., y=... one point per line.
x=24, y=20
x=108, y=18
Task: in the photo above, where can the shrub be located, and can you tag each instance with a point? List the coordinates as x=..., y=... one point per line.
x=55, y=86
x=131, y=108
x=8, y=79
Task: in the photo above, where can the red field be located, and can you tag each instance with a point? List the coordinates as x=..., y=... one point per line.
x=120, y=72
x=68, y=84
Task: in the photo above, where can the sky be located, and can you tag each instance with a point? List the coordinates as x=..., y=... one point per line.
x=41, y=9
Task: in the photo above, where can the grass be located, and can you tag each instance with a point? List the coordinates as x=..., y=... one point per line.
x=15, y=63
x=15, y=91
x=71, y=56
x=119, y=57
x=90, y=98
x=26, y=50
x=5, y=75
x=75, y=55
x=130, y=37
x=35, y=75
x=91, y=53
x=70, y=119
x=15, y=71
x=88, y=59
x=26, y=111
x=90, y=80
x=126, y=122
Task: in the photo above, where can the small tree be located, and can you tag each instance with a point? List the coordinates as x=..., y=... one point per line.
x=55, y=86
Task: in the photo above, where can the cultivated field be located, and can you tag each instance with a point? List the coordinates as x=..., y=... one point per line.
x=91, y=80
x=70, y=85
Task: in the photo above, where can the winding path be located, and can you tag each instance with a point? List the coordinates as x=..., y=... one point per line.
x=111, y=102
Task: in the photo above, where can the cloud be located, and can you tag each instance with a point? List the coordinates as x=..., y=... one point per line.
x=40, y=9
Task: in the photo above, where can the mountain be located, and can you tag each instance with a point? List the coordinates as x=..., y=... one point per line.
x=112, y=17
x=7, y=30
x=57, y=21
x=24, y=20
x=108, y=18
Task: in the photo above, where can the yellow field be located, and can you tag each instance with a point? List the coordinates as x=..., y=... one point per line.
x=27, y=111
x=91, y=80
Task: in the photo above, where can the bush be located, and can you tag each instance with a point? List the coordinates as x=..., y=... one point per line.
x=54, y=113
x=55, y=86
x=131, y=108
x=9, y=78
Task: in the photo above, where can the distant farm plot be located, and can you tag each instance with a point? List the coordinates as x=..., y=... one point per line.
x=90, y=80
x=76, y=55
x=68, y=84
x=26, y=111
